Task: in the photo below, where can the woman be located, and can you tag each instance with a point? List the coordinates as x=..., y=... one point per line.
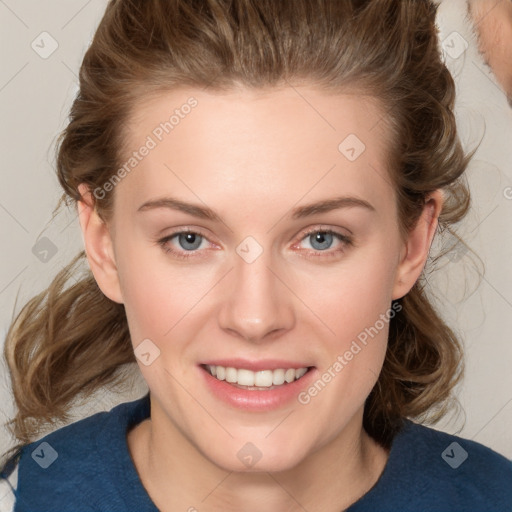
x=258, y=186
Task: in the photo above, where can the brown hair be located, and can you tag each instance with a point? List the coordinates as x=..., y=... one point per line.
x=72, y=340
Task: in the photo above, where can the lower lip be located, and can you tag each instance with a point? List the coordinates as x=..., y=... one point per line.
x=257, y=400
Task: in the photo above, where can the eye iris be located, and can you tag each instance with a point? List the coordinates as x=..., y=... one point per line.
x=189, y=238
x=324, y=239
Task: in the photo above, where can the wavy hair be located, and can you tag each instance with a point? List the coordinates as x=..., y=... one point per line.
x=71, y=339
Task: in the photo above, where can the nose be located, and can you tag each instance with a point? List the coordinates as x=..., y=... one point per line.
x=257, y=305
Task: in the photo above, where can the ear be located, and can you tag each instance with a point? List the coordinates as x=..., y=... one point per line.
x=98, y=246
x=414, y=254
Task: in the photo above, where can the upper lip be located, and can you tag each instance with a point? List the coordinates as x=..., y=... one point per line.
x=256, y=366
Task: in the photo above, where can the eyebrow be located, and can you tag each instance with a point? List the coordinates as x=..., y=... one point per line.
x=329, y=205
x=203, y=212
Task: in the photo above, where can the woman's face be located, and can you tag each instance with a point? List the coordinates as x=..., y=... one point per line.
x=259, y=180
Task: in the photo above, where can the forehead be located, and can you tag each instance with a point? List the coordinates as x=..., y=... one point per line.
x=296, y=140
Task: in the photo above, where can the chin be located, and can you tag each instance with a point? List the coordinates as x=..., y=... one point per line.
x=248, y=458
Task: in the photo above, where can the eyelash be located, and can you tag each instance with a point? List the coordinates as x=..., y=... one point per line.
x=346, y=242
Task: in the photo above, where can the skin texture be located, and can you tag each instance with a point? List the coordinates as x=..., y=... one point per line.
x=492, y=20
x=252, y=157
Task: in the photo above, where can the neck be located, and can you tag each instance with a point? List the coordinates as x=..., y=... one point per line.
x=179, y=477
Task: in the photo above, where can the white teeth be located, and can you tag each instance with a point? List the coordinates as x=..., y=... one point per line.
x=263, y=378
x=245, y=377
x=289, y=375
x=230, y=374
x=300, y=372
x=278, y=377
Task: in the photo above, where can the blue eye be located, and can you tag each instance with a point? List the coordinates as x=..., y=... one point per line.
x=189, y=241
x=323, y=238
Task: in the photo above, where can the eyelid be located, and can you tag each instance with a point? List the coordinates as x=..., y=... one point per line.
x=322, y=228
x=186, y=229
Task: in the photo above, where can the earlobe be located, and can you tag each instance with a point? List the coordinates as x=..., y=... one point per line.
x=98, y=246
x=416, y=249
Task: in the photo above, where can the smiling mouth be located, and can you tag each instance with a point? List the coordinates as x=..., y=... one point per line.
x=258, y=381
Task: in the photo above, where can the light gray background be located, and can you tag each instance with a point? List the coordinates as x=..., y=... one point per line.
x=35, y=96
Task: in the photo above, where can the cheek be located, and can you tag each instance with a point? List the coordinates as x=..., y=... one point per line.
x=160, y=304
x=357, y=307
x=354, y=295
x=156, y=292
x=158, y=298
x=351, y=361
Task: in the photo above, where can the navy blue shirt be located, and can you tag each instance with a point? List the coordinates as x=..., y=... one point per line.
x=87, y=466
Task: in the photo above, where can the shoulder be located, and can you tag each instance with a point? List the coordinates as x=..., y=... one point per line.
x=458, y=472
x=428, y=469
x=68, y=466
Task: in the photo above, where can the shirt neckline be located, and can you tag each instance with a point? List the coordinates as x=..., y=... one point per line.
x=132, y=413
